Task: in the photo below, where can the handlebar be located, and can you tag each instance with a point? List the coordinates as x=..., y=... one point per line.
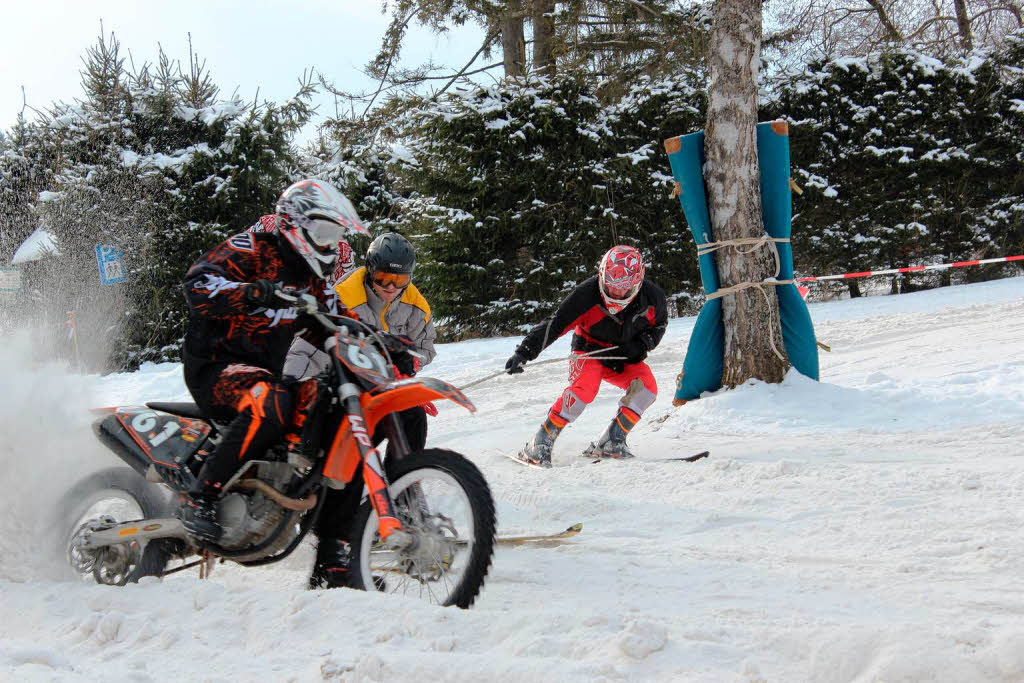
x=309, y=305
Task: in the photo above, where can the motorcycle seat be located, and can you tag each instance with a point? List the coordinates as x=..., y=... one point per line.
x=180, y=409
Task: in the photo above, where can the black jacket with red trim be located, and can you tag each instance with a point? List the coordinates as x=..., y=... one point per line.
x=635, y=330
x=224, y=326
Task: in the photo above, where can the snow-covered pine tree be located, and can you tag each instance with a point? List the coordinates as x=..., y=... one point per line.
x=505, y=201
x=152, y=162
x=27, y=160
x=904, y=159
x=1003, y=212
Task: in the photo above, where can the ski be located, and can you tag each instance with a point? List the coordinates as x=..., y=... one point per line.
x=688, y=458
x=538, y=539
x=535, y=539
x=514, y=458
x=542, y=538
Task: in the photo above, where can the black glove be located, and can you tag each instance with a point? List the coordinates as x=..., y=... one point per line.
x=396, y=343
x=404, y=362
x=514, y=365
x=647, y=340
x=264, y=293
x=641, y=321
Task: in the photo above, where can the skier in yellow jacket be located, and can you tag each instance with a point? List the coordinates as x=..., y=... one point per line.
x=382, y=294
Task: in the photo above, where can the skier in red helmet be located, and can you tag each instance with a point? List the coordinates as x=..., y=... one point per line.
x=617, y=310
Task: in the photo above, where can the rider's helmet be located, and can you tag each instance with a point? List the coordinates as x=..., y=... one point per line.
x=620, y=276
x=390, y=260
x=314, y=218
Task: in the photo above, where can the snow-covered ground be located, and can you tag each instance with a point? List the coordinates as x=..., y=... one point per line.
x=867, y=527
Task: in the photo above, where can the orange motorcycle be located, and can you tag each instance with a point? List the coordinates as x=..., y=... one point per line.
x=425, y=526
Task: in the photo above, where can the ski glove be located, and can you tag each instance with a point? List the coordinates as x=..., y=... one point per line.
x=514, y=365
x=648, y=340
x=264, y=293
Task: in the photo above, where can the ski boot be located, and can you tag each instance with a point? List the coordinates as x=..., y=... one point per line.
x=538, y=451
x=198, y=514
x=612, y=443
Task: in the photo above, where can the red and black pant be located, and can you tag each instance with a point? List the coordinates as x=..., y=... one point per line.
x=259, y=406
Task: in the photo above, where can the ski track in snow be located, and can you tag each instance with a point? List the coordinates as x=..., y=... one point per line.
x=867, y=527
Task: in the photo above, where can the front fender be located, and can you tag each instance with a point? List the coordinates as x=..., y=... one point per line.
x=409, y=393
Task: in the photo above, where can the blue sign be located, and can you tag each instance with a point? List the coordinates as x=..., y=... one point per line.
x=111, y=263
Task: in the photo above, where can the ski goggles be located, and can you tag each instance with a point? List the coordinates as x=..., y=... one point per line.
x=395, y=280
x=620, y=292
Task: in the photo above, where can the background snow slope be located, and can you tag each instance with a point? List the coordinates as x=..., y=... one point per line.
x=867, y=527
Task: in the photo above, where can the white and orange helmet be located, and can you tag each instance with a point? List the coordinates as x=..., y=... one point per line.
x=620, y=276
x=315, y=217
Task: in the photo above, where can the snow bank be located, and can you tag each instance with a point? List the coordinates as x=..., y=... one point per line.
x=39, y=245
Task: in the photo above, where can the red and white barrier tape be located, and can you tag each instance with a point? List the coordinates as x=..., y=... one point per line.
x=912, y=269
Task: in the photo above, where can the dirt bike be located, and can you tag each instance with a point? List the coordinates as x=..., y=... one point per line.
x=429, y=532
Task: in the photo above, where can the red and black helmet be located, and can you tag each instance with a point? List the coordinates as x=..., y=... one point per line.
x=620, y=276
x=315, y=217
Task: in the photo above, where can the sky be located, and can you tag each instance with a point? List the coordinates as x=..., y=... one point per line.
x=256, y=46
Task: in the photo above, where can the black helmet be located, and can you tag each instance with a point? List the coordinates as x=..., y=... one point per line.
x=390, y=253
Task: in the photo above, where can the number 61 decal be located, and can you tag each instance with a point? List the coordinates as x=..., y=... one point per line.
x=144, y=422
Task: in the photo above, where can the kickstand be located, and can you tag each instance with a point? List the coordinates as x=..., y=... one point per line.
x=206, y=564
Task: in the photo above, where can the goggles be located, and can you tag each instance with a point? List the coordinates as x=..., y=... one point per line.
x=324, y=234
x=619, y=292
x=395, y=280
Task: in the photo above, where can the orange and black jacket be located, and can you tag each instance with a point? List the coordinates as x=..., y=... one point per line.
x=634, y=330
x=224, y=326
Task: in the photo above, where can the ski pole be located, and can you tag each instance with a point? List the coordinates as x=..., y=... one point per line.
x=546, y=362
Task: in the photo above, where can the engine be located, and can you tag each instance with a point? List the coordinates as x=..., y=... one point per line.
x=249, y=517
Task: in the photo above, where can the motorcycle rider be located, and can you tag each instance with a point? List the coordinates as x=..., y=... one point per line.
x=619, y=310
x=239, y=330
x=381, y=294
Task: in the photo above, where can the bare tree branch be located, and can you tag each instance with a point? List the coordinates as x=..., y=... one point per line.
x=644, y=8
x=483, y=48
x=883, y=17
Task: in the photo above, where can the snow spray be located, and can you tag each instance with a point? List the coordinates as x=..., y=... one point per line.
x=47, y=446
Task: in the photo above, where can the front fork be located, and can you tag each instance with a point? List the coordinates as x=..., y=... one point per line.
x=374, y=477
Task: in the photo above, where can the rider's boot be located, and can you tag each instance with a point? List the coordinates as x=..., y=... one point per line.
x=538, y=451
x=198, y=514
x=330, y=570
x=612, y=443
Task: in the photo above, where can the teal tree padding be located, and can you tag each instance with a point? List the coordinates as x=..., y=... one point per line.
x=777, y=212
x=702, y=367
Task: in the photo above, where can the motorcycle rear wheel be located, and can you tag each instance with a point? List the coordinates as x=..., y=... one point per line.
x=444, y=500
x=119, y=494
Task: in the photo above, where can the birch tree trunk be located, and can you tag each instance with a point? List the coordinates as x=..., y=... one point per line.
x=732, y=178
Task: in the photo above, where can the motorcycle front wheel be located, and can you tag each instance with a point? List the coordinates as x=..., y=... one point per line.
x=443, y=500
